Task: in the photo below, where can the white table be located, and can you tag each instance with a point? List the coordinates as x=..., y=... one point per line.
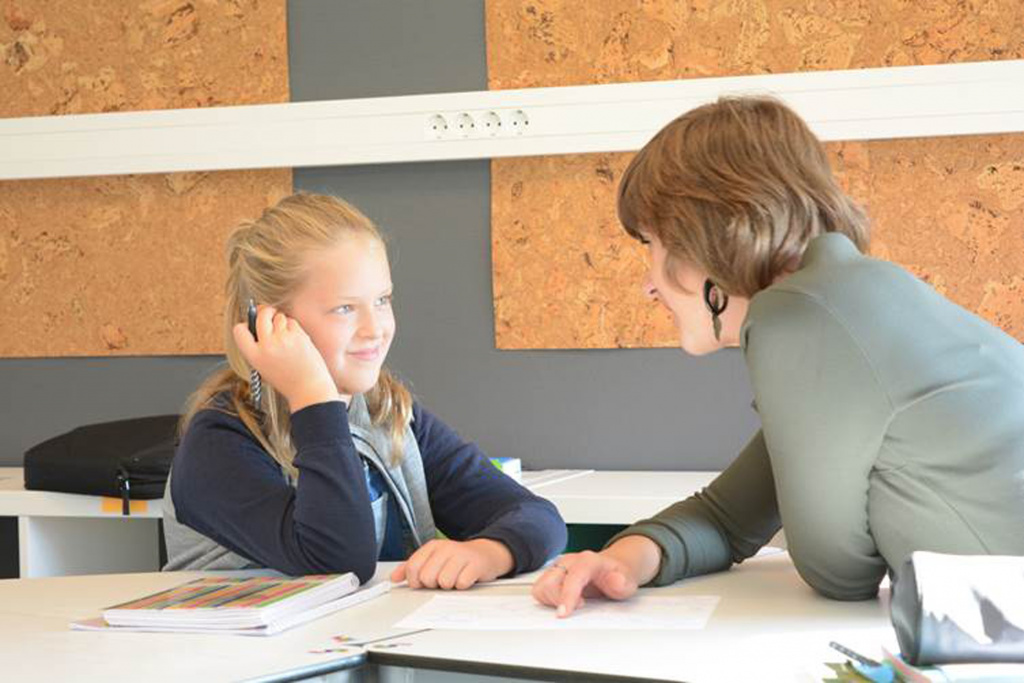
x=36, y=643
x=768, y=626
x=613, y=497
x=66, y=533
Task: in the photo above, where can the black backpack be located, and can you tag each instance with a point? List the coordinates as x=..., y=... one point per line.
x=129, y=459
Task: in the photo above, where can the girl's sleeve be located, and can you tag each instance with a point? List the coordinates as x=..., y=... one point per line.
x=725, y=523
x=470, y=498
x=228, y=488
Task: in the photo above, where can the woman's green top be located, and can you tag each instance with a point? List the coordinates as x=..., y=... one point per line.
x=892, y=420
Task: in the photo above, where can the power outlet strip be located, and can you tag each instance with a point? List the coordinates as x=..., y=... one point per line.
x=476, y=124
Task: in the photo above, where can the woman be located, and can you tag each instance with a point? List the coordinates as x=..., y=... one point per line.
x=892, y=419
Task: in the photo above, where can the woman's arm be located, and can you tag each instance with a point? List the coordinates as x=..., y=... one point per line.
x=226, y=487
x=727, y=522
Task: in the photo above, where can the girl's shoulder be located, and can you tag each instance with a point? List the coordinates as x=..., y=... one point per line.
x=219, y=411
x=215, y=417
x=216, y=434
x=423, y=422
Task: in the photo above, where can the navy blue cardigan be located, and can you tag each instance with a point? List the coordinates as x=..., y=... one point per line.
x=228, y=488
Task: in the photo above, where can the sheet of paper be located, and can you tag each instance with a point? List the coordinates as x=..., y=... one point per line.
x=520, y=612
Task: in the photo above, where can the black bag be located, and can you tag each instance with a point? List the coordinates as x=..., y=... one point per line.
x=129, y=459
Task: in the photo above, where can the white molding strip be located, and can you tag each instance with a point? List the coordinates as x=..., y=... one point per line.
x=916, y=101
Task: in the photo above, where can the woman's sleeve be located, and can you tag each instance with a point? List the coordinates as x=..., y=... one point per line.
x=470, y=498
x=726, y=522
x=226, y=487
x=824, y=413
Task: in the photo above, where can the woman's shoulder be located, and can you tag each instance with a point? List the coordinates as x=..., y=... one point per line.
x=835, y=284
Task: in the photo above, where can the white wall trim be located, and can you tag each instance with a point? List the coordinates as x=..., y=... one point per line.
x=896, y=102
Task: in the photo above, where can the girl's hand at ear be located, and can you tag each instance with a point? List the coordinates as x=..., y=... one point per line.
x=286, y=358
x=455, y=564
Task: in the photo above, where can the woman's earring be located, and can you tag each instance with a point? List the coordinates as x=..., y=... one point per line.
x=716, y=301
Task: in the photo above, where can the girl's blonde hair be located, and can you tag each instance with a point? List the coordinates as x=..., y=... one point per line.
x=737, y=187
x=267, y=262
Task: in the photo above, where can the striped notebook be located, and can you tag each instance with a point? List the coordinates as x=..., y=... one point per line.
x=222, y=604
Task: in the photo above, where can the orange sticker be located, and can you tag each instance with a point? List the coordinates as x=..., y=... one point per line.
x=114, y=506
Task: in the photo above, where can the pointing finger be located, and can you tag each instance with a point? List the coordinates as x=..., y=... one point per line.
x=576, y=579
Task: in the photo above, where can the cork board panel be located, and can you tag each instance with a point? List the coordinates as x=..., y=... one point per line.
x=948, y=209
x=129, y=265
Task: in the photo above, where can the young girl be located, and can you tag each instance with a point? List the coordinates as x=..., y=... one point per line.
x=892, y=419
x=333, y=465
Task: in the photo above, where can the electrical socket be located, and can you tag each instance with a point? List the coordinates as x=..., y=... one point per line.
x=436, y=128
x=492, y=123
x=518, y=122
x=465, y=126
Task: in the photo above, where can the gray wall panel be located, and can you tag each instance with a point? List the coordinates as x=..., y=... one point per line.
x=42, y=397
x=375, y=48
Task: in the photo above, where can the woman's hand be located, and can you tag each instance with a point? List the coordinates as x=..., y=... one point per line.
x=455, y=564
x=614, y=573
x=286, y=359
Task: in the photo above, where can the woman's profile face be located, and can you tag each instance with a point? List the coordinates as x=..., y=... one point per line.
x=684, y=298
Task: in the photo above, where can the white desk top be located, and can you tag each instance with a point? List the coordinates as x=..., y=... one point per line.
x=36, y=642
x=16, y=501
x=613, y=497
x=768, y=626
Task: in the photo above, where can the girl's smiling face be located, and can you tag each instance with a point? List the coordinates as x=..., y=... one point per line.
x=344, y=305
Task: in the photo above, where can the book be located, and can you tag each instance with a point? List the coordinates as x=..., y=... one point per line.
x=238, y=606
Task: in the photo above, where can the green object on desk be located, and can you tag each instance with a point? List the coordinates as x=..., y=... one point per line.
x=859, y=673
x=513, y=467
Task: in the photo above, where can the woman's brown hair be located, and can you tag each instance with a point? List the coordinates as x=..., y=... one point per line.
x=737, y=187
x=267, y=260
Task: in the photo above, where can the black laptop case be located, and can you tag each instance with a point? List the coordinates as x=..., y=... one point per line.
x=129, y=459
